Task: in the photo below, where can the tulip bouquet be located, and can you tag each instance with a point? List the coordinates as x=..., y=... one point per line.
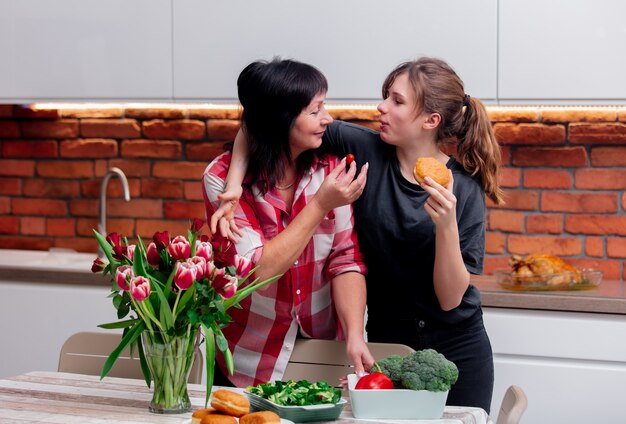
x=167, y=295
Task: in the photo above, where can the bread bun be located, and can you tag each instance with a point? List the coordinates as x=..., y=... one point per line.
x=431, y=167
x=218, y=419
x=261, y=417
x=230, y=402
x=198, y=414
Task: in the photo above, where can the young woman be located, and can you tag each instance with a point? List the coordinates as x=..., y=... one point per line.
x=295, y=219
x=422, y=242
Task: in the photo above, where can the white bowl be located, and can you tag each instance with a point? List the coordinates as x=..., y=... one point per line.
x=396, y=403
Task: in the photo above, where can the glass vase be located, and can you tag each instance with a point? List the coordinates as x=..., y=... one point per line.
x=169, y=359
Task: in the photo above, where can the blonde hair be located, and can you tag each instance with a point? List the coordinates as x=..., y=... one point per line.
x=464, y=119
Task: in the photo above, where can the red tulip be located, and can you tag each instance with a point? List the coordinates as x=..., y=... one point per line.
x=161, y=239
x=197, y=225
x=153, y=255
x=97, y=265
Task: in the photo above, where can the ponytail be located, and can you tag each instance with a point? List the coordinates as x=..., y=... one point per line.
x=478, y=149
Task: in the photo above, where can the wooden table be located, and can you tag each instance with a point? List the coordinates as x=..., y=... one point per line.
x=53, y=397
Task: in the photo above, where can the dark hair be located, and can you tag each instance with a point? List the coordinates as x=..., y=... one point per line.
x=273, y=94
x=464, y=119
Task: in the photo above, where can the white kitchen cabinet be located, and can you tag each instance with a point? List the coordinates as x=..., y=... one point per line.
x=562, y=50
x=85, y=50
x=354, y=43
x=572, y=366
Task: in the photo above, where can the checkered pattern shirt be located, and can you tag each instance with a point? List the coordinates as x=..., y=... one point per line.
x=262, y=333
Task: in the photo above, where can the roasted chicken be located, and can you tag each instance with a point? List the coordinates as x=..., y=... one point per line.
x=548, y=269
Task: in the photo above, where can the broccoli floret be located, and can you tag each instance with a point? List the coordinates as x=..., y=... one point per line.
x=435, y=373
x=391, y=366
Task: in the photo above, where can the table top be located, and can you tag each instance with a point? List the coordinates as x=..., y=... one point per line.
x=54, y=397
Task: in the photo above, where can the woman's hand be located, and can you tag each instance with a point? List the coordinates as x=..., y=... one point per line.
x=340, y=187
x=223, y=219
x=441, y=204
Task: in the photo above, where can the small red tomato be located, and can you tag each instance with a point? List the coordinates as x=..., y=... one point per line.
x=349, y=159
x=375, y=380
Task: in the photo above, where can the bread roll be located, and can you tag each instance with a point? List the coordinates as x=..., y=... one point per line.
x=198, y=414
x=218, y=419
x=431, y=167
x=230, y=402
x=261, y=417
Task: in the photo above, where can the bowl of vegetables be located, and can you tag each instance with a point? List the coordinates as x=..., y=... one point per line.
x=416, y=387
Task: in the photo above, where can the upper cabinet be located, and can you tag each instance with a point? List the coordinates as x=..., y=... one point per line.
x=355, y=43
x=85, y=50
x=562, y=50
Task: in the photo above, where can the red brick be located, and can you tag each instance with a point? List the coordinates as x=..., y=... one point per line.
x=493, y=263
x=85, y=226
x=600, y=179
x=136, y=208
x=162, y=188
x=17, y=168
x=60, y=227
x=510, y=177
x=80, y=244
x=610, y=268
x=10, y=186
x=25, y=242
x=155, y=112
x=38, y=113
x=33, y=226
x=222, y=129
x=89, y=148
x=114, y=188
x=517, y=200
x=578, y=202
x=536, y=134
x=511, y=114
x=110, y=128
x=101, y=166
x=92, y=112
x=550, y=224
x=147, y=227
x=363, y=113
x=568, y=157
x=193, y=190
x=594, y=246
x=184, y=210
x=151, y=149
x=512, y=222
x=9, y=225
x=174, y=129
x=597, y=133
x=616, y=247
x=495, y=242
x=79, y=207
x=6, y=111
x=131, y=167
x=39, y=207
x=608, y=156
x=624, y=201
x=35, y=187
x=5, y=205
x=204, y=151
x=182, y=170
x=63, y=128
x=505, y=154
x=9, y=129
x=65, y=169
x=30, y=149
x=578, y=115
x=596, y=224
x=547, y=179
x=214, y=112
x=555, y=245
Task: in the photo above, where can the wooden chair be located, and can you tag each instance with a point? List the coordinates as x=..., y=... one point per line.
x=513, y=406
x=86, y=352
x=316, y=360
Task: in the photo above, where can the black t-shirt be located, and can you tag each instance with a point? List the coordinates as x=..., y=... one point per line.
x=397, y=237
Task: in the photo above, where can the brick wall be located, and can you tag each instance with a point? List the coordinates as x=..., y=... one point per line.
x=564, y=176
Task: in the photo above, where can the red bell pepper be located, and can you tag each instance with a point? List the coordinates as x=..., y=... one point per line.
x=375, y=380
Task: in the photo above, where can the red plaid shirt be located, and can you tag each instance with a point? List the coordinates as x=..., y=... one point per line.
x=262, y=333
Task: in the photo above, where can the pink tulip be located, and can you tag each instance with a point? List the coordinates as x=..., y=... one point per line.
x=139, y=288
x=122, y=275
x=184, y=275
x=199, y=264
x=243, y=266
x=153, y=255
x=224, y=284
x=204, y=250
x=179, y=248
x=130, y=252
x=209, y=269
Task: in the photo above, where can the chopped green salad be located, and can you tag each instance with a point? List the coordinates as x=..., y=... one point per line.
x=297, y=393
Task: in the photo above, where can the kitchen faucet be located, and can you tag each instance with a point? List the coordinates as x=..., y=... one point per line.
x=103, y=195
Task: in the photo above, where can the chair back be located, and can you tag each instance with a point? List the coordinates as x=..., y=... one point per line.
x=316, y=360
x=513, y=406
x=86, y=353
